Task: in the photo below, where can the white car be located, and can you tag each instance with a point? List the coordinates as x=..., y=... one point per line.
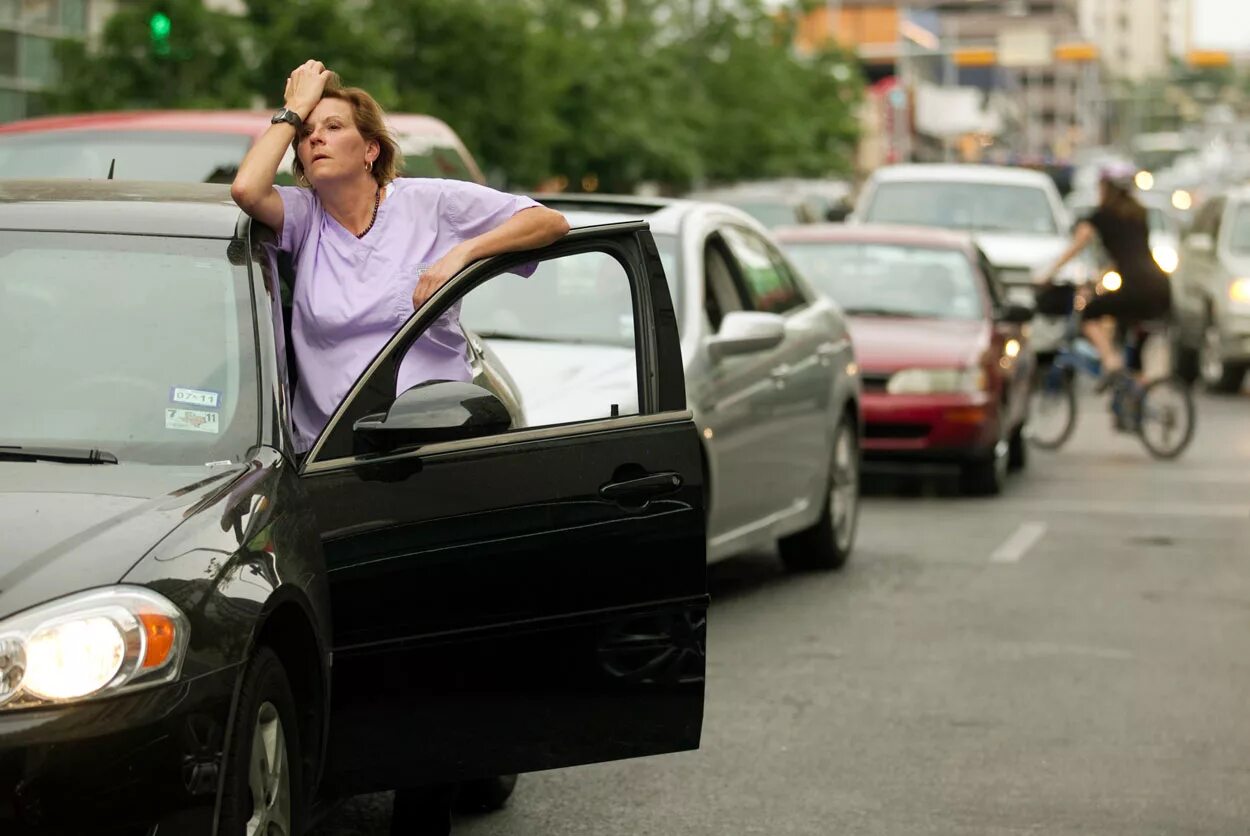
x=770, y=373
x=1015, y=215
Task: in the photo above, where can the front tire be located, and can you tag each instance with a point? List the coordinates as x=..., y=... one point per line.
x=827, y=545
x=988, y=476
x=1017, y=451
x=1218, y=375
x=263, y=792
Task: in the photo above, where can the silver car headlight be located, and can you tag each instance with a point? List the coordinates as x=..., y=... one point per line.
x=1167, y=258
x=90, y=644
x=936, y=381
x=1239, y=295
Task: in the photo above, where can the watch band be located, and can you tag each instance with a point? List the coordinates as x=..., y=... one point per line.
x=289, y=116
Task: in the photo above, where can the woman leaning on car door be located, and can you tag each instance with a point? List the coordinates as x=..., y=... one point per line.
x=369, y=248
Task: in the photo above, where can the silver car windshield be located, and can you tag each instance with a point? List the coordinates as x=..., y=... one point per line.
x=981, y=207
x=141, y=346
x=892, y=280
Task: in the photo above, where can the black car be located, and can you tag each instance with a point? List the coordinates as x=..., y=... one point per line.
x=202, y=631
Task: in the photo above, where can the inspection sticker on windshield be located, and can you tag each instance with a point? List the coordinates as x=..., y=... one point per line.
x=191, y=420
x=195, y=397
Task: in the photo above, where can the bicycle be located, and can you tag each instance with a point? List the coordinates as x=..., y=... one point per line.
x=1160, y=412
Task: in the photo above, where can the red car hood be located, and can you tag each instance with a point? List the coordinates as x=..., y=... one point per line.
x=891, y=343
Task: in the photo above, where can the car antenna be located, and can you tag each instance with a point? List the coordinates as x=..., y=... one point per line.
x=111, y=166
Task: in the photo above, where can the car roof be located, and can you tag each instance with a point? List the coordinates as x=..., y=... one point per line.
x=914, y=236
x=665, y=215
x=250, y=122
x=120, y=207
x=962, y=173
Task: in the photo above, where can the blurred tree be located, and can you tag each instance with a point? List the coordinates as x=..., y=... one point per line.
x=586, y=94
x=157, y=53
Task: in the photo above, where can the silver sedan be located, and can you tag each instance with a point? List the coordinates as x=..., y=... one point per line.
x=770, y=373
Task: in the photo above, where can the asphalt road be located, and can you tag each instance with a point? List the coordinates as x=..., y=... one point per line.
x=1070, y=658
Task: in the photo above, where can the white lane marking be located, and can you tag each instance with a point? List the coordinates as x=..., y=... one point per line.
x=1146, y=507
x=1018, y=544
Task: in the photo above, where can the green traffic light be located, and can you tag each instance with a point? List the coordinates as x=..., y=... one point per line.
x=160, y=25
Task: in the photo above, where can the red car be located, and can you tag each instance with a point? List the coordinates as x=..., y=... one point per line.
x=944, y=360
x=193, y=145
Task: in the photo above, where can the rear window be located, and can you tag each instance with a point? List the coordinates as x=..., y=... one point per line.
x=980, y=207
x=137, y=155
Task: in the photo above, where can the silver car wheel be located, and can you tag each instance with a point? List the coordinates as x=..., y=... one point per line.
x=844, y=492
x=269, y=776
x=1211, y=361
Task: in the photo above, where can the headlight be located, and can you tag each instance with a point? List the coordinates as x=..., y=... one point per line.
x=90, y=644
x=934, y=381
x=1182, y=200
x=1111, y=281
x=1144, y=181
x=1239, y=293
x=1166, y=257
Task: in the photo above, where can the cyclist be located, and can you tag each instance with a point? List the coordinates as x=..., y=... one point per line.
x=1144, y=293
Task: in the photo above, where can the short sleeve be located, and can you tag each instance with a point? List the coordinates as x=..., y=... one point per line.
x=1097, y=219
x=475, y=210
x=297, y=217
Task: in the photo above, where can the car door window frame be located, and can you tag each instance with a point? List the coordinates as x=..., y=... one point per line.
x=659, y=399
x=716, y=245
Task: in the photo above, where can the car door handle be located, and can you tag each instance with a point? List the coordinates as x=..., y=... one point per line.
x=641, y=489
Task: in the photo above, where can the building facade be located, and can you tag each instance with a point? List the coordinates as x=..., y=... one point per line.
x=1138, y=38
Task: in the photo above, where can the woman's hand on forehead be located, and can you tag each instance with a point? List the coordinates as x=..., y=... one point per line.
x=304, y=87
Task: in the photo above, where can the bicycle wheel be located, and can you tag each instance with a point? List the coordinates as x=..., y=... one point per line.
x=1166, y=417
x=1052, y=409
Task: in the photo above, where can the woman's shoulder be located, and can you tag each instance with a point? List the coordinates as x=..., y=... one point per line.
x=428, y=185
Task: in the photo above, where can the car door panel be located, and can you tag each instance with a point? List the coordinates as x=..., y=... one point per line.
x=525, y=601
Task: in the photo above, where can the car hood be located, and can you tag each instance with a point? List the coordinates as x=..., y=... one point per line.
x=561, y=382
x=887, y=344
x=71, y=527
x=1005, y=249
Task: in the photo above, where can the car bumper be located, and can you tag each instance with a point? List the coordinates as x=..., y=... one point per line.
x=139, y=763
x=938, y=429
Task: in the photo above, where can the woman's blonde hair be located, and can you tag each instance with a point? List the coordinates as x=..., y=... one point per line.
x=370, y=121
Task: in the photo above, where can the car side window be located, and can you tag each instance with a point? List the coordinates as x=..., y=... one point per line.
x=555, y=344
x=768, y=288
x=721, y=294
x=1217, y=220
x=992, y=280
x=1206, y=221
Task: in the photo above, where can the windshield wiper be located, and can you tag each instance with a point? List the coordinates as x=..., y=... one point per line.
x=882, y=312
x=67, y=455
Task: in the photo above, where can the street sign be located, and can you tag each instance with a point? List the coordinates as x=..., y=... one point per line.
x=1025, y=47
x=974, y=57
x=1079, y=53
x=1208, y=58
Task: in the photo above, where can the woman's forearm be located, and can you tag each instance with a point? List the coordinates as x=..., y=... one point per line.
x=259, y=167
x=528, y=229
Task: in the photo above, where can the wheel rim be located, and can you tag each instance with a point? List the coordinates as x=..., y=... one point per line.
x=1211, y=363
x=844, y=492
x=269, y=776
x=1164, y=417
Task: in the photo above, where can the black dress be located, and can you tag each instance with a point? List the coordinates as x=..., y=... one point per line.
x=1145, y=292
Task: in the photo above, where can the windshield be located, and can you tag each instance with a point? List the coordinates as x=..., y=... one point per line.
x=140, y=346
x=138, y=155
x=892, y=280
x=982, y=207
x=770, y=214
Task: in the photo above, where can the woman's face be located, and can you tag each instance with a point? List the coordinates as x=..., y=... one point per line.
x=330, y=146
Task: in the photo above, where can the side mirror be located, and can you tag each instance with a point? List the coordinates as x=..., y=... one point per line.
x=838, y=213
x=1015, y=314
x=1200, y=242
x=440, y=410
x=747, y=332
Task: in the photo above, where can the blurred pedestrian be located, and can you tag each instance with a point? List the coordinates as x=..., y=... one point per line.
x=1144, y=292
x=368, y=247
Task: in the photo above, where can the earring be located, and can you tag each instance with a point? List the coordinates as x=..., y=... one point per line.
x=368, y=165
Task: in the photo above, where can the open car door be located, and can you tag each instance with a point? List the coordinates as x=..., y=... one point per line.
x=506, y=597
